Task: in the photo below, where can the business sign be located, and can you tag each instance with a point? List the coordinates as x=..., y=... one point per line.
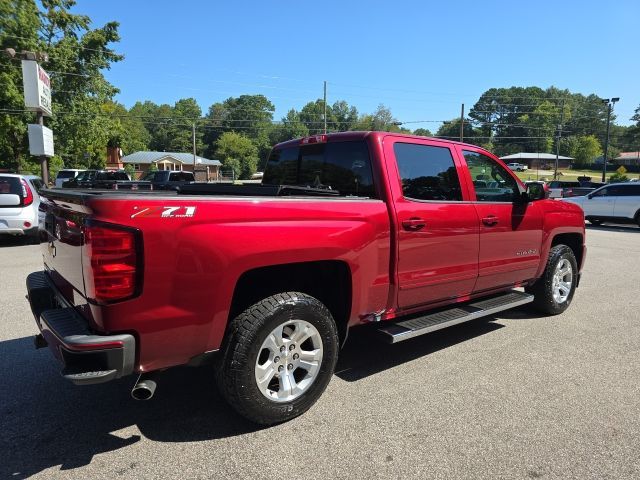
x=40, y=140
x=37, y=87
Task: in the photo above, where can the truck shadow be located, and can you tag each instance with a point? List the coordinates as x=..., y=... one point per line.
x=47, y=422
x=359, y=359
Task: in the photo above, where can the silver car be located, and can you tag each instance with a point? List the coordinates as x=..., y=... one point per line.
x=19, y=201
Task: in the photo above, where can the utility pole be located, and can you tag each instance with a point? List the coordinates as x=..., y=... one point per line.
x=193, y=131
x=462, y=123
x=558, y=137
x=325, y=107
x=609, y=104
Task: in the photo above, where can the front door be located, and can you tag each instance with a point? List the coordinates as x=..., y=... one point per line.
x=510, y=230
x=437, y=232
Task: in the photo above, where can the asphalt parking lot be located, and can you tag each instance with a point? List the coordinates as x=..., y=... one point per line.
x=519, y=396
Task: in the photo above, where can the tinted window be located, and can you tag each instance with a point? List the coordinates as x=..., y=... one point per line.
x=629, y=191
x=174, y=177
x=341, y=166
x=282, y=167
x=187, y=177
x=66, y=174
x=427, y=172
x=491, y=181
x=10, y=185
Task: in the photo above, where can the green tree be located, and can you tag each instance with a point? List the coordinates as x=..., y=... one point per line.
x=312, y=116
x=237, y=152
x=583, y=148
x=422, y=132
x=184, y=114
x=78, y=92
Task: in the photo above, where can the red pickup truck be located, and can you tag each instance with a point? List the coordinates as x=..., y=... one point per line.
x=264, y=281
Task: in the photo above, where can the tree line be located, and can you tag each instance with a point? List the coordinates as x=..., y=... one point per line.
x=240, y=131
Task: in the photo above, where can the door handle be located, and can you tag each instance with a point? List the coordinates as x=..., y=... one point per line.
x=413, y=224
x=490, y=220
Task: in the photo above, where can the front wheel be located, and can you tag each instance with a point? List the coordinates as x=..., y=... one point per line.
x=278, y=357
x=554, y=291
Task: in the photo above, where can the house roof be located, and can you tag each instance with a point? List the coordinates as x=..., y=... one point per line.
x=628, y=155
x=153, y=157
x=531, y=156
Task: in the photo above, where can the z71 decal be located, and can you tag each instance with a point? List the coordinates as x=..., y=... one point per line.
x=163, y=212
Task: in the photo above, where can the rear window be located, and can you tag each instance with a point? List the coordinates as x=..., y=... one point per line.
x=66, y=174
x=10, y=185
x=112, y=176
x=341, y=166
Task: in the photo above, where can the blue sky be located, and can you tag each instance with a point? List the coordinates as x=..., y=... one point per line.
x=421, y=59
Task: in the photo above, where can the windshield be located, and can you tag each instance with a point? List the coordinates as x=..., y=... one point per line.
x=341, y=166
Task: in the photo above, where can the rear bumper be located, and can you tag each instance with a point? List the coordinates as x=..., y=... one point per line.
x=87, y=358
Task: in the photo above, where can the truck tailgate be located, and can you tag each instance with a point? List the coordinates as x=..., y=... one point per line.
x=61, y=241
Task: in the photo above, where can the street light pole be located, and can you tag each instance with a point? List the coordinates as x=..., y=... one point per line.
x=609, y=104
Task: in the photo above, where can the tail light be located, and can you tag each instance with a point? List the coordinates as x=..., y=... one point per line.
x=27, y=195
x=313, y=139
x=113, y=255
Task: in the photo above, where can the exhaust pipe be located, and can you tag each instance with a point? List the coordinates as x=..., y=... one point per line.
x=144, y=388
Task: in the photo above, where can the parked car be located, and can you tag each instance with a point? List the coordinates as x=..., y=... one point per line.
x=265, y=280
x=66, y=174
x=19, y=201
x=614, y=203
x=169, y=179
x=96, y=179
x=517, y=167
x=557, y=186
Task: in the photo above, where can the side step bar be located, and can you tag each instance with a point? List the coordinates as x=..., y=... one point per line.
x=460, y=313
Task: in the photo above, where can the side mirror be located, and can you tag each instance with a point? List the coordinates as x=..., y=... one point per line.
x=10, y=200
x=534, y=192
x=590, y=196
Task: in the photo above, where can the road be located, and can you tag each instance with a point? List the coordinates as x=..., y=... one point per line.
x=519, y=396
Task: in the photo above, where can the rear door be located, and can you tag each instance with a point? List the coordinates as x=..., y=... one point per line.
x=600, y=203
x=510, y=230
x=437, y=231
x=627, y=201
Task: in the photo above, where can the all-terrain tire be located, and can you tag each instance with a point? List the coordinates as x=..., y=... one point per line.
x=236, y=375
x=543, y=288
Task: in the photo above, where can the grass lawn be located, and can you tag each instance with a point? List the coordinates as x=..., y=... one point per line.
x=567, y=174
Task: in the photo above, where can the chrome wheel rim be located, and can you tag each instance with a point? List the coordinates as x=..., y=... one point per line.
x=562, y=281
x=288, y=361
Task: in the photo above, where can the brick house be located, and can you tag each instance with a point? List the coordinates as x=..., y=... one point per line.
x=206, y=170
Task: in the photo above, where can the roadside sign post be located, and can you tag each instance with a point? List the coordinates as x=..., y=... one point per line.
x=37, y=97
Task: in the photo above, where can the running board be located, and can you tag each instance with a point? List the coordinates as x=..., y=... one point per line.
x=460, y=313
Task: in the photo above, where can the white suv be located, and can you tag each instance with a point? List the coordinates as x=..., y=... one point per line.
x=19, y=201
x=615, y=203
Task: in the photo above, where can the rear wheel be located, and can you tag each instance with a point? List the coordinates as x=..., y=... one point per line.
x=554, y=291
x=278, y=357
